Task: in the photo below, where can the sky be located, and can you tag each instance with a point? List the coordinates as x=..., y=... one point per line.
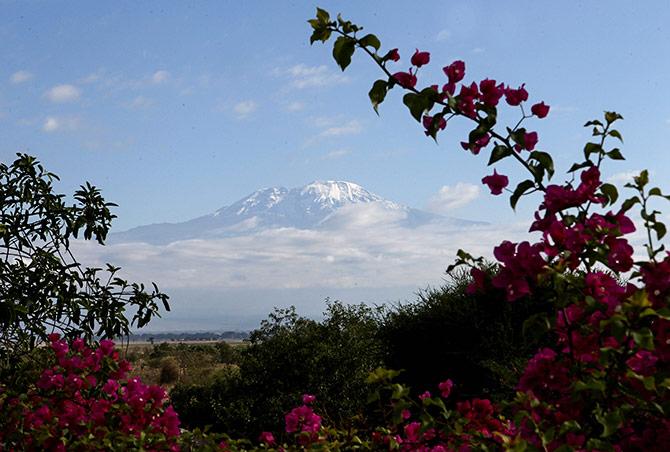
x=175, y=109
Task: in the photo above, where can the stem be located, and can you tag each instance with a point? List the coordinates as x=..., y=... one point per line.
x=494, y=134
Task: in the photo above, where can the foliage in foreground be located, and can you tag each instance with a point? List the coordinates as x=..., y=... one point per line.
x=43, y=288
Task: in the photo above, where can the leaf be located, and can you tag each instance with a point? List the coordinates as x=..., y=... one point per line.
x=660, y=230
x=615, y=154
x=321, y=34
x=642, y=179
x=520, y=189
x=377, y=93
x=610, y=191
x=578, y=166
x=322, y=15
x=630, y=202
x=545, y=160
x=592, y=148
x=419, y=103
x=610, y=421
x=616, y=134
x=611, y=116
x=498, y=153
x=644, y=338
x=595, y=122
x=370, y=40
x=343, y=50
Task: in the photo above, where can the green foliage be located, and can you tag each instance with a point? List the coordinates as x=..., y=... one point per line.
x=476, y=340
x=169, y=371
x=43, y=288
x=286, y=357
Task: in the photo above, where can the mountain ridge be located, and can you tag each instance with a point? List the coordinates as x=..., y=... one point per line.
x=319, y=204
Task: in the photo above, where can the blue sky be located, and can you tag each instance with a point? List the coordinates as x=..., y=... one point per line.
x=175, y=109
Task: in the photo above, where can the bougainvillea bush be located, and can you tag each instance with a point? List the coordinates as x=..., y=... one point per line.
x=84, y=400
x=604, y=382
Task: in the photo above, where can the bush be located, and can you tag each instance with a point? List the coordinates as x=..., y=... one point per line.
x=169, y=373
x=43, y=288
x=83, y=401
x=476, y=339
x=285, y=358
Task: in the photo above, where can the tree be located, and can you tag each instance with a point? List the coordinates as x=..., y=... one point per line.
x=43, y=288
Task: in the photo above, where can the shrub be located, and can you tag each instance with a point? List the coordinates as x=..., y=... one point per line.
x=169, y=373
x=83, y=401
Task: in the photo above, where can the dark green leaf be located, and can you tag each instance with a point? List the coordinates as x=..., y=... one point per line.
x=630, y=202
x=660, y=230
x=595, y=122
x=545, y=160
x=378, y=93
x=592, y=148
x=642, y=179
x=520, y=189
x=322, y=15
x=498, y=153
x=615, y=134
x=644, y=338
x=610, y=191
x=578, y=166
x=611, y=116
x=343, y=50
x=370, y=40
x=615, y=154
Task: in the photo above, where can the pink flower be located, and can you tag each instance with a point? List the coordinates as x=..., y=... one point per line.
x=405, y=79
x=428, y=121
x=392, y=55
x=267, y=438
x=642, y=362
x=420, y=58
x=308, y=398
x=530, y=140
x=491, y=93
x=425, y=395
x=478, y=281
x=455, y=71
x=496, y=182
x=406, y=414
x=514, y=97
x=540, y=110
x=445, y=388
x=412, y=431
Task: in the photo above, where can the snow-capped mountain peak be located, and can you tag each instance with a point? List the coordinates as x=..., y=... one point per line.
x=337, y=192
x=313, y=206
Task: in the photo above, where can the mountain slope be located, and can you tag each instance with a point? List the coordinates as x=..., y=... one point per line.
x=329, y=204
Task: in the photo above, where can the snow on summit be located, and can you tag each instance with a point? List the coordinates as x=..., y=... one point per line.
x=319, y=204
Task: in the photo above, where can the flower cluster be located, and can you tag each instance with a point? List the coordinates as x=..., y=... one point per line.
x=84, y=399
x=604, y=382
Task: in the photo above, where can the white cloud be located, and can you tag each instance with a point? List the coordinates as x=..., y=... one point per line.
x=363, y=246
x=59, y=124
x=20, y=77
x=63, y=93
x=623, y=177
x=295, y=106
x=140, y=102
x=452, y=197
x=336, y=154
x=244, y=108
x=303, y=76
x=351, y=127
x=160, y=77
x=443, y=35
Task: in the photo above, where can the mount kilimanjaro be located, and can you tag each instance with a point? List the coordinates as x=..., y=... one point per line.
x=318, y=205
